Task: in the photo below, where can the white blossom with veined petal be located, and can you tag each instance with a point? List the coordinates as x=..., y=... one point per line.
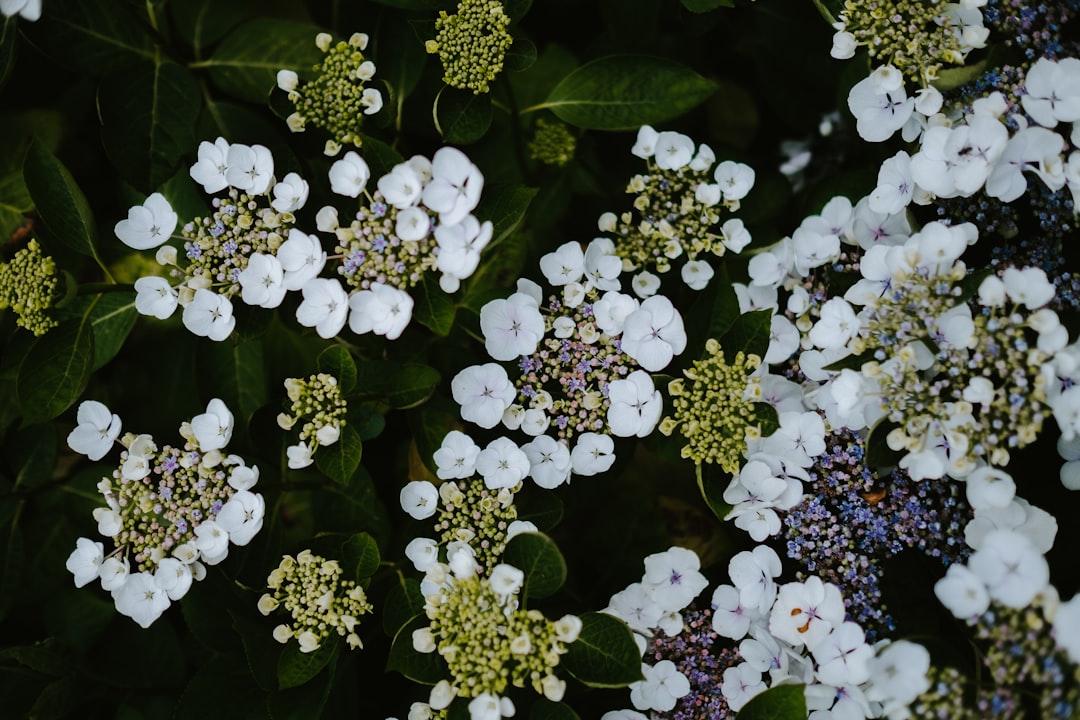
x=635, y=407
x=402, y=186
x=213, y=428
x=212, y=542
x=843, y=657
x=456, y=457
x=209, y=315
x=899, y=675
x=302, y=258
x=593, y=454
x=141, y=599
x=962, y=592
x=242, y=516
x=349, y=175
x=502, y=464
x=611, y=310
x=1012, y=568
x=673, y=578
x=155, y=296
x=85, y=561
x=549, y=461
x=1052, y=91
x=96, y=431
x=564, y=265
x=419, y=499
x=512, y=327
x=752, y=573
x=636, y=607
x=673, y=151
x=114, y=573
x=249, y=168
x=210, y=168
x=455, y=186
x=174, y=577
x=805, y=613
x=879, y=112
x=262, y=282
x=325, y=306
x=459, y=250
x=741, y=683
x=381, y=309
x=290, y=193
x=484, y=392
x=661, y=689
x=423, y=553
x=654, y=333
x=736, y=180
x=148, y=225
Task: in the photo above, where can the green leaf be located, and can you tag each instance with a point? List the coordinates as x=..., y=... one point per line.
x=782, y=702
x=112, y=318
x=340, y=460
x=401, y=62
x=539, y=558
x=703, y=6
x=260, y=649
x=829, y=9
x=246, y=62
x=461, y=116
x=711, y=482
x=403, y=603
x=351, y=508
x=60, y=698
x=295, y=668
x=621, y=92
x=520, y=56
x=148, y=115
x=234, y=372
x=9, y=39
x=543, y=509
x=504, y=206
x=402, y=385
x=749, y=333
x=60, y=203
x=55, y=371
x=217, y=690
x=46, y=656
x=850, y=362
x=605, y=654
x=33, y=455
x=434, y=308
x=203, y=22
x=15, y=202
x=880, y=458
x=360, y=556
x=544, y=709
x=424, y=668
x=99, y=37
x=366, y=421
x=337, y=361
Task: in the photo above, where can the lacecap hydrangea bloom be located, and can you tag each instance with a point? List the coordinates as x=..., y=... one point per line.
x=168, y=511
x=471, y=44
x=28, y=285
x=318, y=402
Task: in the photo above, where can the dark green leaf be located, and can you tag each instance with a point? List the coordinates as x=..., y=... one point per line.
x=850, y=362
x=880, y=458
x=46, y=656
x=246, y=62
x=217, y=689
x=605, y=654
x=234, y=372
x=207, y=613
x=783, y=702
x=621, y=92
x=60, y=698
x=360, y=556
x=516, y=9
x=520, y=56
x=424, y=668
x=99, y=37
x=14, y=202
x=429, y=425
x=203, y=22
x=402, y=385
x=260, y=649
x=830, y=9
x=539, y=558
x=504, y=206
x=401, y=61
x=340, y=460
x=544, y=709
x=60, y=203
x=749, y=333
x=295, y=668
x=55, y=371
x=112, y=319
x=701, y=6
x=366, y=421
x=351, y=508
x=768, y=418
x=148, y=116
x=543, y=509
x=434, y=308
x=380, y=157
x=235, y=123
x=461, y=116
x=403, y=603
x=711, y=482
x=337, y=361
x=33, y=455
x=725, y=306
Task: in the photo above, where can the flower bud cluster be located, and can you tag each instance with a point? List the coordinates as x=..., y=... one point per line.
x=472, y=44
x=716, y=413
x=337, y=99
x=478, y=516
x=28, y=285
x=310, y=588
x=319, y=403
x=552, y=143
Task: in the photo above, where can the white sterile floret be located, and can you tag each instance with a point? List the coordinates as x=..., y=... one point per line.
x=85, y=561
x=249, y=168
x=989, y=487
x=879, y=112
x=459, y=250
x=674, y=151
x=662, y=687
x=735, y=179
x=114, y=573
x=673, y=578
x=512, y=327
x=635, y=407
x=349, y=175
x=565, y=265
x=843, y=657
x=836, y=326
x=741, y=683
x=895, y=185
x=487, y=706
x=456, y=457
x=502, y=464
x=734, y=235
x=752, y=573
x=843, y=45
x=213, y=428
x=455, y=186
x=302, y=258
x=212, y=542
x=262, y=282
x=899, y=675
x=290, y=193
x=381, y=309
x=602, y=265
x=611, y=310
x=484, y=393
x=156, y=297
x=402, y=186
x=325, y=306
x=731, y=618
x=174, y=577
x=962, y=592
x=242, y=516
x=1034, y=149
x=784, y=339
x=209, y=315
x=141, y=599
x=636, y=607
x=645, y=144
x=1067, y=627
x=423, y=552
x=654, y=333
x=209, y=170
x=593, y=454
x=549, y=461
x=299, y=456
x=147, y=225
x=420, y=499
x=1052, y=91
x=645, y=284
x=1012, y=568
x=1028, y=287
x=506, y=580
x=805, y=613
x=697, y=274
x=96, y=431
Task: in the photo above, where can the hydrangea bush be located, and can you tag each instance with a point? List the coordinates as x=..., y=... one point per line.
x=345, y=372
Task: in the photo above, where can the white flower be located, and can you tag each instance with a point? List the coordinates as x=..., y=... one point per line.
x=114, y=573
x=843, y=45
x=459, y=250
x=299, y=456
x=212, y=542
x=806, y=612
x=29, y=10
x=419, y=499
x=302, y=258
x=371, y=98
x=673, y=151
x=412, y=224
x=899, y=675
x=243, y=477
x=174, y=577
x=109, y=522
x=1067, y=627
x=602, y=265
x=156, y=297
x=484, y=393
x=1028, y=287
x=843, y=657
x=734, y=235
x=989, y=487
x=141, y=599
x=645, y=284
x=213, y=428
x=741, y=683
x=645, y=144
x=565, y=265
x=673, y=578
x=502, y=464
x=242, y=516
x=147, y=225
x=401, y=187
x=209, y=315
x=735, y=179
x=654, y=333
x=895, y=185
x=290, y=194
x=752, y=573
x=423, y=552
x=506, y=580
x=512, y=327
x=593, y=454
x=287, y=80
x=662, y=687
x=1034, y=148
x=611, y=310
x=456, y=457
x=209, y=170
x=730, y=617
x=85, y=561
x=96, y=431
x=1053, y=91
x=878, y=113
x=249, y=168
x=262, y=282
x=836, y=326
x=349, y=175
x=381, y=309
x=455, y=186
x=962, y=592
x=486, y=706
x=325, y=306
x=636, y=405
x=697, y=274
x=549, y=461
x=1011, y=566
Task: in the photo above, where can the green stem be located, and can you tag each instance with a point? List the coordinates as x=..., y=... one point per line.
x=95, y=288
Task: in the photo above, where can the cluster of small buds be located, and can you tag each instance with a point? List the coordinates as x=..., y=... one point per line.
x=716, y=413
x=916, y=37
x=168, y=512
x=848, y=523
x=28, y=285
x=476, y=515
x=337, y=99
x=552, y=143
x=487, y=641
x=472, y=44
x=319, y=403
x=677, y=208
x=310, y=588
x=1037, y=28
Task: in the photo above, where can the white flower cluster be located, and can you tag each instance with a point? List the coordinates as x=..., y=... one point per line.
x=29, y=10
x=169, y=513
